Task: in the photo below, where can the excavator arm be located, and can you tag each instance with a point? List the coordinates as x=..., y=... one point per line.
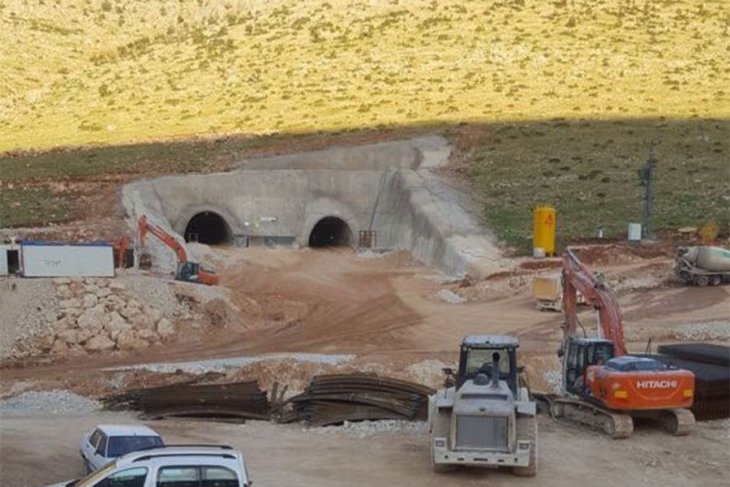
x=577, y=278
x=186, y=270
x=146, y=227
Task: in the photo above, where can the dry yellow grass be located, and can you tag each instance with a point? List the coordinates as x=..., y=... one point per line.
x=77, y=72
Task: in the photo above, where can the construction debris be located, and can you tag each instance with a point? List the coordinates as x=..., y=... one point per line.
x=236, y=401
x=711, y=367
x=334, y=399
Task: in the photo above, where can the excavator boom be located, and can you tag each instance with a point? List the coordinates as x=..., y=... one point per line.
x=186, y=270
x=145, y=226
x=577, y=278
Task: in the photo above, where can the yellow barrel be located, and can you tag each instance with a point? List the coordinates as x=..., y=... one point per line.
x=543, y=229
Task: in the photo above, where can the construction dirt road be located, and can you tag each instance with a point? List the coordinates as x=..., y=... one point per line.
x=279, y=455
x=388, y=314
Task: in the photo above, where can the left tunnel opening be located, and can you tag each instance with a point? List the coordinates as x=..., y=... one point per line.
x=209, y=228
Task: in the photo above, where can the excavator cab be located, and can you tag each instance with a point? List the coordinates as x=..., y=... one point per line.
x=188, y=271
x=478, y=354
x=581, y=353
x=193, y=272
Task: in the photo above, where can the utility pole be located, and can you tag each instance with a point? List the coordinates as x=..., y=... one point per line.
x=646, y=174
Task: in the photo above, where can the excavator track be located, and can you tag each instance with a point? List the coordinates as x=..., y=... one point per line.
x=616, y=425
x=678, y=422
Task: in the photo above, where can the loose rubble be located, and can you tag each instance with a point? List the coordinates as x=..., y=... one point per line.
x=451, y=297
x=96, y=315
x=364, y=429
x=713, y=330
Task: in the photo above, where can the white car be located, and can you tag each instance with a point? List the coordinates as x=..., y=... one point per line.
x=109, y=441
x=171, y=466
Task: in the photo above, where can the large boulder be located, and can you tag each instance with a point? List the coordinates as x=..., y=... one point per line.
x=59, y=347
x=64, y=292
x=147, y=334
x=93, y=319
x=165, y=328
x=128, y=340
x=100, y=343
x=68, y=336
x=70, y=303
x=90, y=300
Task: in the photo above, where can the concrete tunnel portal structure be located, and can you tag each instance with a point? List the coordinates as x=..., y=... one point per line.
x=208, y=227
x=380, y=196
x=331, y=231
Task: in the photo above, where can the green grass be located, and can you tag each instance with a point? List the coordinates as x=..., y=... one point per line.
x=588, y=171
x=79, y=72
x=34, y=206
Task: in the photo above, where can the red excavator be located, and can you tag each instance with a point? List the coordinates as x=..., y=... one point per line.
x=604, y=387
x=187, y=270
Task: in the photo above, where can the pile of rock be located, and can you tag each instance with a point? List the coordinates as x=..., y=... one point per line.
x=97, y=315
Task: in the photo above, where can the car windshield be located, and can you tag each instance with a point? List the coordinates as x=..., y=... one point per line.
x=120, y=445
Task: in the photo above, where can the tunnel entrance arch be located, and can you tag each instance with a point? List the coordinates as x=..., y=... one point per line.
x=208, y=227
x=331, y=232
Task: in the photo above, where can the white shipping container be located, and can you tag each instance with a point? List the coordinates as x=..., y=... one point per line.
x=49, y=260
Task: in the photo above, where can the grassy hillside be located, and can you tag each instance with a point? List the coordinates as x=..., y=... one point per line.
x=111, y=71
x=587, y=169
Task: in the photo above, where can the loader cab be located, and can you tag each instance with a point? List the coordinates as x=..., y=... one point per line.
x=477, y=355
x=580, y=353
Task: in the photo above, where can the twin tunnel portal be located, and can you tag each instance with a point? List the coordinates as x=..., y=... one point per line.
x=211, y=228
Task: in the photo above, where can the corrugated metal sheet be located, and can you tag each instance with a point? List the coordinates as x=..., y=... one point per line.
x=58, y=260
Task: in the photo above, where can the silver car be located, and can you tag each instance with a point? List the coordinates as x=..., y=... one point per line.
x=109, y=441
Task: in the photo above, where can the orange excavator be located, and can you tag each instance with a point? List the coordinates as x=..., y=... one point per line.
x=187, y=270
x=604, y=387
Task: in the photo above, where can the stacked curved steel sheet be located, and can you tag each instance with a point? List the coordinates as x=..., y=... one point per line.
x=334, y=399
x=234, y=401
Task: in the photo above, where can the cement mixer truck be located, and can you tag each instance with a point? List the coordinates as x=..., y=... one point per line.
x=703, y=266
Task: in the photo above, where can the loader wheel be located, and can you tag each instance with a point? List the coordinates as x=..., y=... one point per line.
x=440, y=429
x=527, y=430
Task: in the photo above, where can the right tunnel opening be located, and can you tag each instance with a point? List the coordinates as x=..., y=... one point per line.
x=331, y=232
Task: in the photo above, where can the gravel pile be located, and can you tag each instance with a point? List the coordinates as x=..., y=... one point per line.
x=364, y=429
x=711, y=330
x=220, y=365
x=28, y=308
x=48, y=403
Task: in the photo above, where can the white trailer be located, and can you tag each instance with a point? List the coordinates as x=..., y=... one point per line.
x=49, y=259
